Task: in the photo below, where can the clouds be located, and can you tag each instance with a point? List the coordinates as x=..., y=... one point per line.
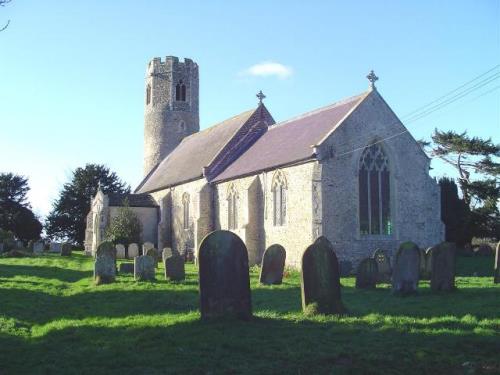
x=269, y=69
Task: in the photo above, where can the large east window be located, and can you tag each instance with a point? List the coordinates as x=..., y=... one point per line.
x=374, y=192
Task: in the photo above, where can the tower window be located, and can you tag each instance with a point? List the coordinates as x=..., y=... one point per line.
x=148, y=94
x=180, y=92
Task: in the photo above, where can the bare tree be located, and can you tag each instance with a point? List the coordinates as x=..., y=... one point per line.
x=2, y=4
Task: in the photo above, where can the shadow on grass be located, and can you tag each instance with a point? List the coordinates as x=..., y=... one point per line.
x=48, y=272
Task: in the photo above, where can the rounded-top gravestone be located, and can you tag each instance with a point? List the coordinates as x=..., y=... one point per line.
x=367, y=274
x=273, y=265
x=496, y=278
x=144, y=268
x=174, y=267
x=320, y=283
x=146, y=246
x=383, y=266
x=133, y=251
x=224, y=278
x=406, y=269
x=105, y=263
x=168, y=252
x=443, y=267
x=120, y=251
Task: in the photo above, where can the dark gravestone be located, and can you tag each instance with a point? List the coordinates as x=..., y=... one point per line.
x=406, y=269
x=367, y=274
x=66, y=250
x=224, y=277
x=174, y=268
x=496, y=278
x=126, y=268
x=320, y=284
x=345, y=267
x=144, y=268
x=273, y=265
x=426, y=264
x=152, y=252
x=443, y=267
x=105, y=263
x=383, y=266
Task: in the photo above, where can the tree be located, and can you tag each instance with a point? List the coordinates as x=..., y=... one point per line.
x=15, y=212
x=125, y=227
x=455, y=213
x=67, y=218
x=2, y=3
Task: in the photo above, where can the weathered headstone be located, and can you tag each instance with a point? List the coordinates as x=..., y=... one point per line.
x=146, y=246
x=144, y=268
x=443, y=267
x=174, y=268
x=152, y=252
x=426, y=263
x=126, y=268
x=406, y=269
x=133, y=250
x=273, y=265
x=345, y=267
x=167, y=252
x=383, y=266
x=66, y=250
x=496, y=278
x=224, y=276
x=120, y=251
x=367, y=274
x=320, y=284
x=38, y=247
x=105, y=263
x=55, y=247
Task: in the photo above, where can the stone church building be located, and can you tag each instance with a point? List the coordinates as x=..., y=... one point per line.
x=349, y=171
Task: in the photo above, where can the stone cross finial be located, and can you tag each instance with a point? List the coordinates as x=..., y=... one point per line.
x=372, y=78
x=260, y=96
x=99, y=186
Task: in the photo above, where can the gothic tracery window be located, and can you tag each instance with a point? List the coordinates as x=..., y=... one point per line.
x=374, y=192
x=180, y=92
x=232, y=204
x=185, y=207
x=279, y=188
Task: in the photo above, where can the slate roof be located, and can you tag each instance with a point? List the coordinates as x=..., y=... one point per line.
x=186, y=161
x=134, y=200
x=290, y=141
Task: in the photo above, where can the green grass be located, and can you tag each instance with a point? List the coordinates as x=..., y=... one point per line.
x=53, y=320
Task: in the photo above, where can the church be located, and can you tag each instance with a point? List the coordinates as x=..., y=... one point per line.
x=349, y=171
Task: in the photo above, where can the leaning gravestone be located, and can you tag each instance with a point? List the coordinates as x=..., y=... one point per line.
x=320, y=284
x=38, y=247
x=443, y=267
x=144, y=268
x=120, y=251
x=273, y=265
x=55, y=247
x=66, y=249
x=146, y=246
x=105, y=263
x=367, y=274
x=496, y=278
x=174, y=268
x=133, y=250
x=406, y=269
x=383, y=266
x=126, y=268
x=224, y=276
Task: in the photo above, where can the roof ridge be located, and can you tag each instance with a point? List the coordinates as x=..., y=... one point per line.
x=318, y=110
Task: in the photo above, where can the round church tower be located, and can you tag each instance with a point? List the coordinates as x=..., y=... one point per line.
x=171, y=107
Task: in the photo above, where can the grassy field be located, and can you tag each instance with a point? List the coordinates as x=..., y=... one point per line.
x=53, y=320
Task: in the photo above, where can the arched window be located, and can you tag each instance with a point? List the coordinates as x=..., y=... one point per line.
x=185, y=208
x=374, y=192
x=180, y=92
x=279, y=188
x=148, y=94
x=232, y=210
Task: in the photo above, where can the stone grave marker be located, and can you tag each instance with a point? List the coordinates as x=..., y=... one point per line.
x=174, y=268
x=406, y=269
x=66, y=249
x=152, y=252
x=144, y=268
x=345, y=267
x=133, y=250
x=55, y=247
x=105, y=263
x=167, y=252
x=273, y=265
x=224, y=276
x=383, y=266
x=443, y=267
x=426, y=263
x=367, y=274
x=146, y=246
x=38, y=247
x=496, y=278
x=1, y=247
x=320, y=284
x=126, y=268
x=120, y=251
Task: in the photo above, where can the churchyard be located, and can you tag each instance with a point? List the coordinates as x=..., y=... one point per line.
x=54, y=319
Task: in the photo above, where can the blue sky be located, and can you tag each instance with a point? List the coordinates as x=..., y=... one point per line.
x=72, y=73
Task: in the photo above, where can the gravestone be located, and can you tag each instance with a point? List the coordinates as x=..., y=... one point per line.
x=406, y=269
x=133, y=251
x=320, y=283
x=383, y=266
x=19, y=244
x=66, y=249
x=152, y=252
x=38, y=247
x=120, y=251
x=496, y=278
x=167, y=252
x=105, y=263
x=426, y=263
x=174, y=268
x=1, y=247
x=30, y=245
x=126, y=268
x=345, y=267
x=443, y=267
x=146, y=246
x=55, y=247
x=144, y=268
x=224, y=276
x=367, y=274
x=273, y=265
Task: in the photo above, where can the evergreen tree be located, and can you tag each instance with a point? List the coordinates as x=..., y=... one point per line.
x=125, y=228
x=455, y=213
